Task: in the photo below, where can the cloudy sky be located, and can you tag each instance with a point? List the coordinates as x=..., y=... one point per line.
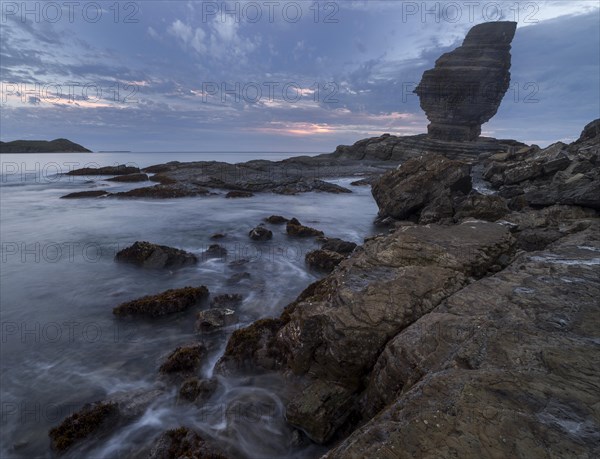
x=277, y=75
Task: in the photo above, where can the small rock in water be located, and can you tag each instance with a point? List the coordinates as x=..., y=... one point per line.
x=215, y=318
x=260, y=233
x=215, y=251
x=238, y=277
x=227, y=300
x=199, y=390
x=150, y=255
x=184, y=359
x=217, y=236
x=276, y=219
x=89, y=420
x=295, y=228
x=184, y=443
x=168, y=302
x=85, y=194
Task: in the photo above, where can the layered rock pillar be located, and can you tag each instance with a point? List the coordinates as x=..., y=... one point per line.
x=466, y=86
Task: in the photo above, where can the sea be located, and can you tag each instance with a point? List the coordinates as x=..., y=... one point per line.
x=60, y=345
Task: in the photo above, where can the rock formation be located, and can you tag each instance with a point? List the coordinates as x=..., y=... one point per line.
x=465, y=88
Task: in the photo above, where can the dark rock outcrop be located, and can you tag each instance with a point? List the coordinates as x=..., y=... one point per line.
x=148, y=255
x=276, y=220
x=239, y=194
x=559, y=174
x=295, y=228
x=163, y=192
x=129, y=178
x=215, y=318
x=168, y=302
x=338, y=245
x=214, y=251
x=465, y=88
x=85, y=194
x=87, y=421
x=260, y=233
x=197, y=390
x=121, y=169
x=184, y=359
x=422, y=188
x=323, y=260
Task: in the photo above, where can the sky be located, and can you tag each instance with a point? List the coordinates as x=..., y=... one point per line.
x=297, y=76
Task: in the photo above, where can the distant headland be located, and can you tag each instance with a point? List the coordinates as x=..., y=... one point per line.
x=42, y=146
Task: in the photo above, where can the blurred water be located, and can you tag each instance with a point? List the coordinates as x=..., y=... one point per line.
x=61, y=347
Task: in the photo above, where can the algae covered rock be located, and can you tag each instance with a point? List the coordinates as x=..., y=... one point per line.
x=168, y=302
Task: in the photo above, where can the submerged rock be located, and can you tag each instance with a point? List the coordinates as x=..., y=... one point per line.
x=227, y=300
x=198, y=390
x=85, y=194
x=184, y=443
x=295, y=228
x=168, y=302
x=148, y=255
x=466, y=86
x=239, y=194
x=214, y=251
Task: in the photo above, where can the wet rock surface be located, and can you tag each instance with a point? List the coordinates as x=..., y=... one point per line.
x=168, y=302
x=507, y=366
x=239, y=194
x=148, y=255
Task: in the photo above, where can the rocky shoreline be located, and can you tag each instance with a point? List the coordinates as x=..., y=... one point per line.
x=469, y=327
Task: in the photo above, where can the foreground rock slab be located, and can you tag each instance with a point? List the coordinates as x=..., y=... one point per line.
x=506, y=367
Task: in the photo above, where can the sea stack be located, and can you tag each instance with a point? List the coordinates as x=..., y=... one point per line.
x=466, y=86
